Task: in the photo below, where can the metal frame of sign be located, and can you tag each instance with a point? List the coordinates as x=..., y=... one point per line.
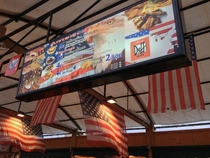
x=139, y=40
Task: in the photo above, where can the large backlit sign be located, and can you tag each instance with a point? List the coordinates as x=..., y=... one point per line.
x=140, y=40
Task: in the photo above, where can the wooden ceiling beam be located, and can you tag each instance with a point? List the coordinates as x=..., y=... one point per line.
x=69, y=116
x=140, y=103
x=2, y=31
x=54, y=125
x=10, y=43
x=17, y=49
x=119, y=108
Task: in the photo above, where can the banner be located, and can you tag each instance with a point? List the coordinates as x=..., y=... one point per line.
x=178, y=89
x=13, y=65
x=45, y=111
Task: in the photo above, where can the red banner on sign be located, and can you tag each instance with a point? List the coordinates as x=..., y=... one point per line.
x=13, y=65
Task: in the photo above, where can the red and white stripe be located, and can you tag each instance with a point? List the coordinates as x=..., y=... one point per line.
x=102, y=133
x=174, y=42
x=11, y=133
x=162, y=30
x=45, y=111
x=174, y=90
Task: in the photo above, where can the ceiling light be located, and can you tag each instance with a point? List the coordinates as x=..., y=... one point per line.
x=20, y=114
x=111, y=100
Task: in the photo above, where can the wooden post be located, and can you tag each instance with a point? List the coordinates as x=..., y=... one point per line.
x=149, y=152
x=150, y=139
x=74, y=139
x=74, y=143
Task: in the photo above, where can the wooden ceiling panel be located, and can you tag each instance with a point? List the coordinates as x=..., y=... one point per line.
x=75, y=111
x=202, y=43
x=197, y=17
x=187, y=3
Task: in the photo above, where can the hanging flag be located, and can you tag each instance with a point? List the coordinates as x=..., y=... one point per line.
x=13, y=65
x=45, y=111
x=16, y=132
x=178, y=89
x=104, y=125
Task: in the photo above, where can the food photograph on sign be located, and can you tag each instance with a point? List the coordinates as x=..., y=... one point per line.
x=150, y=31
x=31, y=71
x=71, y=59
x=143, y=32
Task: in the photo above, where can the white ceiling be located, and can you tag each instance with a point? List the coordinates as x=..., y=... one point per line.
x=195, y=16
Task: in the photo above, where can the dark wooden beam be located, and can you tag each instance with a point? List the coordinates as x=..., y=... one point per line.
x=18, y=16
x=38, y=19
x=70, y=117
x=2, y=31
x=133, y=91
x=9, y=42
x=54, y=125
x=119, y=108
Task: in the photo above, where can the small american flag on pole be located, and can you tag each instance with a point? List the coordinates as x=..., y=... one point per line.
x=104, y=126
x=178, y=89
x=45, y=111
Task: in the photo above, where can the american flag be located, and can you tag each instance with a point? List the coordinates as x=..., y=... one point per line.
x=16, y=132
x=45, y=110
x=104, y=126
x=138, y=34
x=178, y=89
x=162, y=30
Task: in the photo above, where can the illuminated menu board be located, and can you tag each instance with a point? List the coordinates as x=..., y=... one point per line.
x=141, y=33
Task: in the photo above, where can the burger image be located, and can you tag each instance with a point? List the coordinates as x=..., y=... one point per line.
x=50, y=60
x=51, y=50
x=48, y=75
x=49, y=67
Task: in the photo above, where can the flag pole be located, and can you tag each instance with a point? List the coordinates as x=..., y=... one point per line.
x=19, y=106
x=105, y=90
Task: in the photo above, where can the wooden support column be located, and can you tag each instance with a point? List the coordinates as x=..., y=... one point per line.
x=74, y=139
x=150, y=139
x=74, y=143
x=149, y=152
